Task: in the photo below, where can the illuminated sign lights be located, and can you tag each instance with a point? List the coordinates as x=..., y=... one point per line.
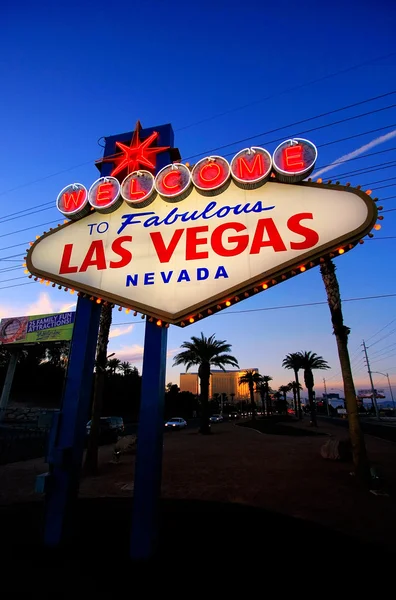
x=292, y=161
x=173, y=239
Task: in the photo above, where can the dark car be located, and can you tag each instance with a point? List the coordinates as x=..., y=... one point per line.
x=109, y=429
x=234, y=415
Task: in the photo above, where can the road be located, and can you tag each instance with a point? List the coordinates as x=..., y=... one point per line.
x=383, y=429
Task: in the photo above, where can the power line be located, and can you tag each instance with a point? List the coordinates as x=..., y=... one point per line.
x=233, y=143
x=12, y=279
x=9, y=269
x=378, y=359
x=16, y=285
x=367, y=170
x=28, y=228
x=383, y=338
x=16, y=245
x=287, y=91
x=18, y=212
x=252, y=137
x=385, y=349
x=356, y=135
x=30, y=213
x=380, y=331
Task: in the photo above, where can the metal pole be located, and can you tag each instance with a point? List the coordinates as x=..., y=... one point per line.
x=5, y=394
x=390, y=387
x=391, y=393
x=66, y=445
x=148, y=465
x=327, y=398
x=371, y=382
x=148, y=469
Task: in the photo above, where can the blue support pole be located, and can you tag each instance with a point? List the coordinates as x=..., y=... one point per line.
x=68, y=431
x=148, y=465
x=148, y=468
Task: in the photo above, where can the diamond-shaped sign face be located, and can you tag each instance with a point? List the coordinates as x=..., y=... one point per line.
x=177, y=261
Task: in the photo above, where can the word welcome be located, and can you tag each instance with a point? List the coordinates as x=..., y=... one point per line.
x=292, y=161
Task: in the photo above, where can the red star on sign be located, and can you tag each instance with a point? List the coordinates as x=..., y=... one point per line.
x=137, y=154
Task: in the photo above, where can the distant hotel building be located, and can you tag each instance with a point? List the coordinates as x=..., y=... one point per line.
x=221, y=382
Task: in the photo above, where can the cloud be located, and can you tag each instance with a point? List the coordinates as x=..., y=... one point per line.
x=376, y=142
x=131, y=354
x=117, y=331
x=43, y=305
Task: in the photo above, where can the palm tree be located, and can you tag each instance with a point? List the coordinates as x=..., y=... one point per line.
x=125, y=368
x=283, y=389
x=309, y=362
x=265, y=392
x=293, y=361
x=112, y=365
x=252, y=378
x=294, y=387
x=205, y=352
x=91, y=457
x=261, y=389
x=341, y=332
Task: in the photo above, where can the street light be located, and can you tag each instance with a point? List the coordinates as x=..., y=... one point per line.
x=390, y=387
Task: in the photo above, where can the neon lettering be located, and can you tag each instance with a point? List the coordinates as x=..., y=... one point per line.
x=211, y=173
x=76, y=197
x=104, y=193
x=252, y=170
x=135, y=193
x=293, y=158
x=171, y=181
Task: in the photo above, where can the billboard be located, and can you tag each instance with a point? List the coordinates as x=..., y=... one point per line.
x=369, y=393
x=191, y=241
x=37, y=328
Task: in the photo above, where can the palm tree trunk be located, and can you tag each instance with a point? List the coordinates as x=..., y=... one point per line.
x=204, y=376
x=252, y=403
x=341, y=332
x=91, y=457
x=262, y=396
x=312, y=407
x=300, y=415
x=295, y=400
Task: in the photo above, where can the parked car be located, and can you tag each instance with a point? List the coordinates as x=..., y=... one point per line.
x=176, y=423
x=109, y=428
x=216, y=419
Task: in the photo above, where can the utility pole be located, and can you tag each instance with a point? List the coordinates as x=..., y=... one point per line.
x=327, y=398
x=390, y=389
x=371, y=382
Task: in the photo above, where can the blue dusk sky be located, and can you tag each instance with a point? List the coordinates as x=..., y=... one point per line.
x=219, y=72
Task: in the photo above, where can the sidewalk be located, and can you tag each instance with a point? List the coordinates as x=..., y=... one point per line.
x=238, y=465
